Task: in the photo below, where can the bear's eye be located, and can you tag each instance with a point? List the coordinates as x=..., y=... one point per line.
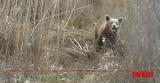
x=111, y=22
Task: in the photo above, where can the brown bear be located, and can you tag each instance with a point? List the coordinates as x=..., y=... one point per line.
x=106, y=30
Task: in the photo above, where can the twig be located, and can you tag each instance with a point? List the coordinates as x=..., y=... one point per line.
x=79, y=46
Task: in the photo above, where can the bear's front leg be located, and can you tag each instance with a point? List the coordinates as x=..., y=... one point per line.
x=99, y=44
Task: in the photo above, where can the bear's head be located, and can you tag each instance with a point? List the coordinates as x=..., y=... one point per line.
x=115, y=23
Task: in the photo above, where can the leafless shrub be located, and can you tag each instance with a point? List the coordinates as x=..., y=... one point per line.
x=38, y=33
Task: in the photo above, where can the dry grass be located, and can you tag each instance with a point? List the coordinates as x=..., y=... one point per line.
x=58, y=34
x=29, y=28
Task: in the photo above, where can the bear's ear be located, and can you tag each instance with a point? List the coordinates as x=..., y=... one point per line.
x=120, y=20
x=107, y=18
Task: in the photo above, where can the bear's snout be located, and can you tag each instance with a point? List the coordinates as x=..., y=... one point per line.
x=114, y=26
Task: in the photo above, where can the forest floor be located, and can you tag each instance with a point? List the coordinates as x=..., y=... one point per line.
x=77, y=53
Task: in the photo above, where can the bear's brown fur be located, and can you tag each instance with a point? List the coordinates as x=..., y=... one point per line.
x=104, y=29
